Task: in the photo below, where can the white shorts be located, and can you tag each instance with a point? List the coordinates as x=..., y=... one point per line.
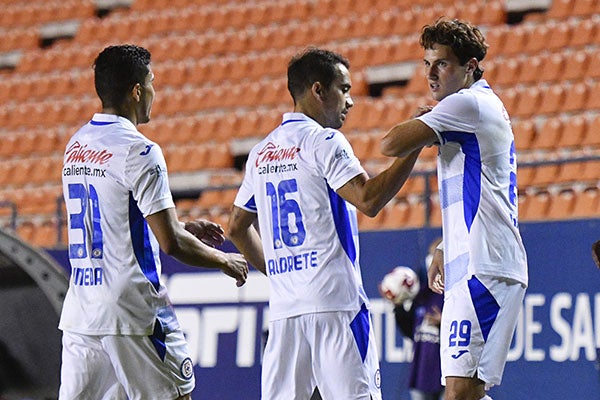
x=478, y=321
x=121, y=367
x=332, y=350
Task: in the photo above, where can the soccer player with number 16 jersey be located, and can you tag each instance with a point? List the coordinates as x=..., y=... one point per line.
x=303, y=183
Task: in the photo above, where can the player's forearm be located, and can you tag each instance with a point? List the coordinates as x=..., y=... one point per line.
x=191, y=251
x=248, y=243
x=405, y=138
x=382, y=188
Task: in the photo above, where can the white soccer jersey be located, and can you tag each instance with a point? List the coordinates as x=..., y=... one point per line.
x=309, y=233
x=477, y=168
x=113, y=177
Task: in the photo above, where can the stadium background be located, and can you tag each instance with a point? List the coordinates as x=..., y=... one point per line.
x=220, y=81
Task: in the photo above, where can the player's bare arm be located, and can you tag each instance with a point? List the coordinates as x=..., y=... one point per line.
x=177, y=242
x=435, y=272
x=209, y=232
x=245, y=237
x=371, y=195
x=407, y=137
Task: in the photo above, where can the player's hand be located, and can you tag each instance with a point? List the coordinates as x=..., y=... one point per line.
x=236, y=267
x=435, y=273
x=422, y=110
x=208, y=232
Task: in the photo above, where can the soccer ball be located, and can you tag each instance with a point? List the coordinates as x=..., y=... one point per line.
x=399, y=285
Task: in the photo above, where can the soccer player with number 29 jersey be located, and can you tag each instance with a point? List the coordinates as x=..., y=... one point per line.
x=482, y=265
x=303, y=184
x=121, y=338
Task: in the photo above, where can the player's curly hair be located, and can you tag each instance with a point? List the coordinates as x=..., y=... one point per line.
x=465, y=40
x=116, y=71
x=310, y=66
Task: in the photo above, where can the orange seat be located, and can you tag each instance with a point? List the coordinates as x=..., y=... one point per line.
x=591, y=137
x=435, y=211
x=524, y=132
x=587, y=32
x=560, y=9
x=577, y=66
x=219, y=156
x=526, y=176
x=509, y=98
x=576, y=97
x=531, y=71
x=545, y=174
x=537, y=39
x=530, y=101
x=573, y=131
x=591, y=171
x=551, y=101
x=593, y=101
x=561, y=206
x=515, y=40
x=548, y=134
x=508, y=73
x=570, y=172
x=495, y=38
x=416, y=216
x=535, y=206
x=397, y=215
x=583, y=8
x=560, y=35
x=587, y=203
x=552, y=68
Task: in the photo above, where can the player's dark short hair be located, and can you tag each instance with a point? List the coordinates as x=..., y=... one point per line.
x=116, y=71
x=310, y=66
x=465, y=40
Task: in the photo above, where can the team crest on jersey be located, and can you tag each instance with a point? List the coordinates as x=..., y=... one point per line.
x=341, y=154
x=77, y=152
x=274, y=153
x=378, y=379
x=187, y=369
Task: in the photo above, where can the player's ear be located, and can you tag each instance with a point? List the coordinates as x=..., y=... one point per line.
x=471, y=65
x=136, y=92
x=317, y=90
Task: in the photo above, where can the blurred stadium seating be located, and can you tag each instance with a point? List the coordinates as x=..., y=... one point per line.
x=220, y=80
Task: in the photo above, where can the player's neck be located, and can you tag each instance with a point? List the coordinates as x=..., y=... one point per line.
x=121, y=113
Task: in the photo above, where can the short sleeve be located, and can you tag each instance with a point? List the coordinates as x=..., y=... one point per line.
x=335, y=157
x=245, y=196
x=457, y=112
x=146, y=171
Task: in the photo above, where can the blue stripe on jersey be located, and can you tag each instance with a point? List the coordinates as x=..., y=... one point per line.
x=251, y=204
x=342, y=223
x=485, y=305
x=158, y=340
x=455, y=270
x=471, y=192
x=452, y=189
x=102, y=123
x=360, y=329
x=292, y=120
x=140, y=239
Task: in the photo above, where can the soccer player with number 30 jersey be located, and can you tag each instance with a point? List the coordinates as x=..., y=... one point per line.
x=121, y=338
